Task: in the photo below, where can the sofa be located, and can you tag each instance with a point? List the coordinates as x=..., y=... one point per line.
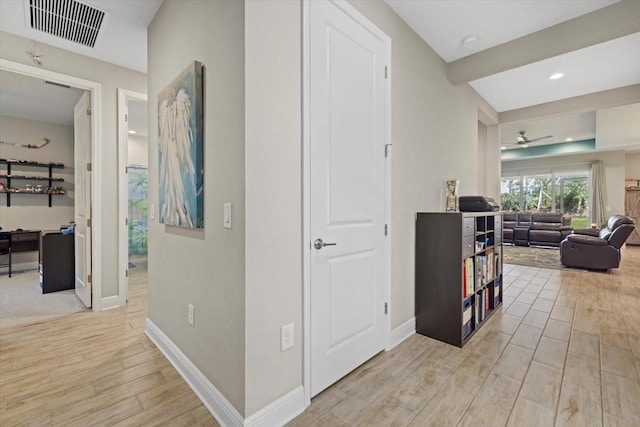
x=538, y=228
x=597, y=249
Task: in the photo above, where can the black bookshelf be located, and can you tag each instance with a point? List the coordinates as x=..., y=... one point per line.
x=458, y=273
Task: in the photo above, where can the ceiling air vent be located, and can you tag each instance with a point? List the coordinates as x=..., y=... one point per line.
x=67, y=19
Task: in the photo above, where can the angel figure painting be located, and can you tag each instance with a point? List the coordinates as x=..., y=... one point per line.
x=180, y=145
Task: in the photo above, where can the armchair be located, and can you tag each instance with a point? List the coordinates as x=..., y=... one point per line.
x=599, y=252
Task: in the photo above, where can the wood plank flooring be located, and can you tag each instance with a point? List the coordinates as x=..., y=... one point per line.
x=563, y=350
x=87, y=369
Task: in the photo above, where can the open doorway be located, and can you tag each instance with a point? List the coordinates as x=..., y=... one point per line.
x=133, y=189
x=38, y=190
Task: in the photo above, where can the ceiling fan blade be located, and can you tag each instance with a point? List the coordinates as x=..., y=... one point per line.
x=539, y=139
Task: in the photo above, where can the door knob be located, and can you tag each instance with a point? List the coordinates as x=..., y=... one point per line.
x=319, y=244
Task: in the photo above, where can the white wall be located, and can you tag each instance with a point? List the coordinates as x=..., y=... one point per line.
x=32, y=212
x=632, y=166
x=203, y=267
x=614, y=167
x=618, y=127
x=110, y=77
x=137, y=151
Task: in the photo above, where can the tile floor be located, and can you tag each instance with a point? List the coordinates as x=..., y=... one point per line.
x=564, y=350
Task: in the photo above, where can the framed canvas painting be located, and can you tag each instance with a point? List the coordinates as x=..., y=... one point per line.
x=180, y=150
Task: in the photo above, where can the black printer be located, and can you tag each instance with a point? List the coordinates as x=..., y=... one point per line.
x=477, y=204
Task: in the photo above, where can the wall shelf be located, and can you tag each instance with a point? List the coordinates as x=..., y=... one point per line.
x=49, y=190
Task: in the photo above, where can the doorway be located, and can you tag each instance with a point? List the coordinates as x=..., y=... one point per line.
x=39, y=133
x=94, y=191
x=133, y=178
x=346, y=110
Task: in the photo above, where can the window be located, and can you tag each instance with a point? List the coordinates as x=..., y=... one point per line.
x=560, y=192
x=538, y=193
x=510, y=194
x=572, y=197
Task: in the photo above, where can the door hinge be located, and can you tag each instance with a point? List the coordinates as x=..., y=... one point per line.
x=386, y=230
x=88, y=278
x=126, y=169
x=126, y=221
x=88, y=111
x=126, y=117
x=386, y=308
x=88, y=222
x=386, y=71
x=386, y=150
x=126, y=273
x=88, y=167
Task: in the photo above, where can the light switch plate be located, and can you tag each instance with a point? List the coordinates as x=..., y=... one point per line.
x=227, y=215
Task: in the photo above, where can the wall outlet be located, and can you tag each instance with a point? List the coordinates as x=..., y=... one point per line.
x=191, y=315
x=286, y=337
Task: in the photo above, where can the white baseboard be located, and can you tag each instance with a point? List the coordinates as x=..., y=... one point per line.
x=277, y=413
x=111, y=302
x=402, y=332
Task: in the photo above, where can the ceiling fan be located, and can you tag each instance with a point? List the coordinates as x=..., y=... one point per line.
x=522, y=140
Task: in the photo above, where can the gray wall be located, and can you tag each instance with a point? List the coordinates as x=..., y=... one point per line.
x=111, y=77
x=33, y=211
x=246, y=283
x=203, y=267
x=273, y=199
x=435, y=138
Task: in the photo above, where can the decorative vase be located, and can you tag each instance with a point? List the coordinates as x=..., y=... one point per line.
x=452, y=195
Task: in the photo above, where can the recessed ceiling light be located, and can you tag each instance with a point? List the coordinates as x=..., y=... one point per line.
x=568, y=139
x=469, y=41
x=556, y=76
x=132, y=132
x=503, y=148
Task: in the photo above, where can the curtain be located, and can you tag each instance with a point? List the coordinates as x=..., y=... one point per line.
x=599, y=192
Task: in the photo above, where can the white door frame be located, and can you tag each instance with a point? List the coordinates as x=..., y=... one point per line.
x=124, y=96
x=96, y=182
x=306, y=177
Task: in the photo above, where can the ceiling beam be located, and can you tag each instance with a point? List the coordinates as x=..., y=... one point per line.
x=590, y=102
x=611, y=22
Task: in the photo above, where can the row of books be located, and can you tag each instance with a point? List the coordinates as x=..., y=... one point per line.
x=480, y=270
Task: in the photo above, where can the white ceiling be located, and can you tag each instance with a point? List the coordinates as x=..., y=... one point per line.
x=122, y=40
x=443, y=24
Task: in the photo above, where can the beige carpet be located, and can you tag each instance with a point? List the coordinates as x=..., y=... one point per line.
x=22, y=301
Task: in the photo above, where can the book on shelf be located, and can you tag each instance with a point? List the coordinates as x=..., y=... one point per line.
x=479, y=279
x=469, y=276
x=466, y=315
x=490, y=265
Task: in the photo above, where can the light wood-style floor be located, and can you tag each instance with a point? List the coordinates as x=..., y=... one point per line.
x=563, y=350
x=93, y=369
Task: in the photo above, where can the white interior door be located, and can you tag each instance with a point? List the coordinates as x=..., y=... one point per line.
x=82, y=197
x=347, y=192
